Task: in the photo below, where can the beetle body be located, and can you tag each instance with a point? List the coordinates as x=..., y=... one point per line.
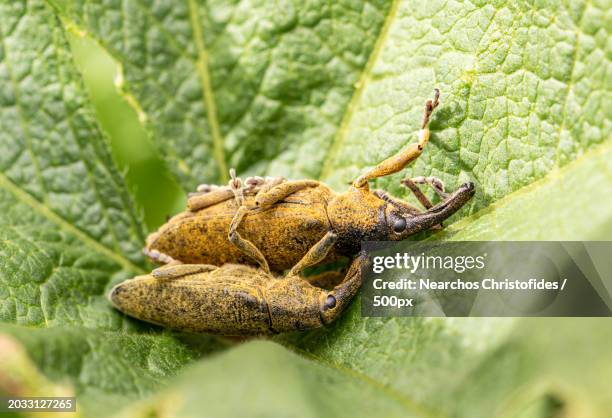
x=276, y=225
x=284, y=232
x=280, y=224
x=234, y=299
x=287, y=230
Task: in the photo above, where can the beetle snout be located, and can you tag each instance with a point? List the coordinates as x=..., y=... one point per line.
x=469, y=188
x=412, y=224
x=441, y=211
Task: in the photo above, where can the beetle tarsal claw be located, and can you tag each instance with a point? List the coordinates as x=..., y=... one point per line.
x=430, y=105
x=235, y=185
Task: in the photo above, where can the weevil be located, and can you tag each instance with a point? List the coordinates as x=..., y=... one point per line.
x=234, y=299
x=279, y=224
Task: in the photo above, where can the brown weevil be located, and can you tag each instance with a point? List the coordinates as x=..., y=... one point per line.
x=280, y=224
x=234, y=299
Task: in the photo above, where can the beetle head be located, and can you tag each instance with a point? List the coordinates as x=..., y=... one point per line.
x=360, y=215
x=403, y=222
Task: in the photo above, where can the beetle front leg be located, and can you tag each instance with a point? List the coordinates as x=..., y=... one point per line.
x=271, y=192
x=412, y=152
x=436, y=184
x=327, y=279
x=316, y=254
x=245, y=245
x=404, y=206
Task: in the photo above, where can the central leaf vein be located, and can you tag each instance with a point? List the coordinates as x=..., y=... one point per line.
x=328, y=164
x=207, y=91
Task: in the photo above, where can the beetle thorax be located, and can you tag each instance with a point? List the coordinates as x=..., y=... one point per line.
x=356, y=216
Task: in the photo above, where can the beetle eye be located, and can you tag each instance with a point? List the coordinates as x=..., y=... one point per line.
x=330, y=303
x=399, y=225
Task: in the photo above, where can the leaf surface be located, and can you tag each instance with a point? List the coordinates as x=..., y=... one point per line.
x=320, y=90
x=68, y=226
x=236, y=84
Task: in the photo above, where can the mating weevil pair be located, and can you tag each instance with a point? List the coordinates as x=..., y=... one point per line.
x=209, y=282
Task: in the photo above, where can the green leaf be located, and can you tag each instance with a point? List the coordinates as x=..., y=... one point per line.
x=68, y=224
x=529, y=375
x=273, y=383
x=324, y=90
x=424, y=357
x=108, y=369
x=306, y=90
x=230, y=84
x=68, y=227
x=571, y=204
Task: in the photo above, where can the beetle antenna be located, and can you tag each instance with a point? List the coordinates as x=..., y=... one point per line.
x=441, y=211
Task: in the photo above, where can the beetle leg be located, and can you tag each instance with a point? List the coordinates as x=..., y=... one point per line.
x=174, y=271
x=235, y=185
x=326, y=280
x=435, y=183
x=201, y=200
x=233, y=235
x=271, y=190
x=159, y=257
x=245, y=245
x=272, y=193
x=269, y=183
x=417, y=193
x=316, y=254
x=403, y=158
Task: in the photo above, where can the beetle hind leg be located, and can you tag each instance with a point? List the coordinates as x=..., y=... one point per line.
x=243, y=244
x=174, y=271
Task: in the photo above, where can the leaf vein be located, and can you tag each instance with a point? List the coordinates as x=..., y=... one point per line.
x=46, y=212
x=207, y=91
x=568, y=90
x=23, y=122
x=342, y=131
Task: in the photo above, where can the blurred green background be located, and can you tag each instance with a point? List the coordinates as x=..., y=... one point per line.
x=148, y=178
